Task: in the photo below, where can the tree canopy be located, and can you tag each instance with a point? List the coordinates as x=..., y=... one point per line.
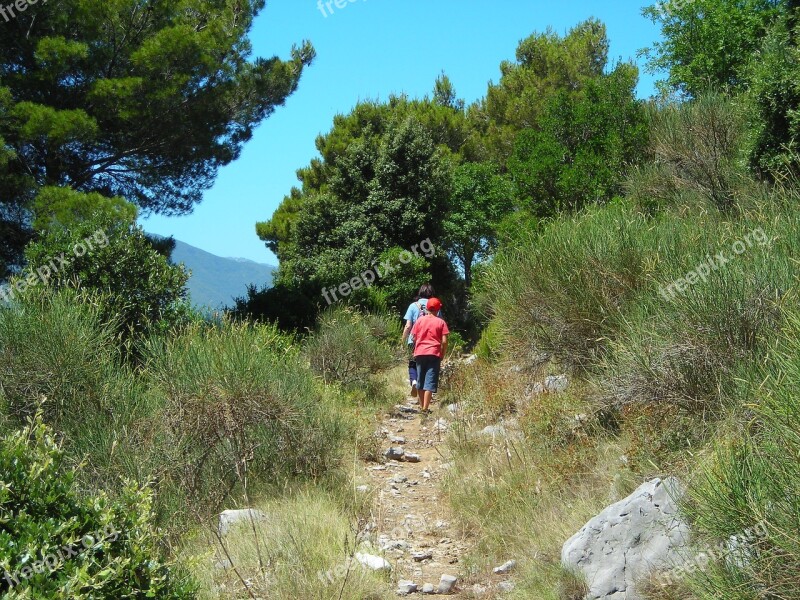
x=142, y=100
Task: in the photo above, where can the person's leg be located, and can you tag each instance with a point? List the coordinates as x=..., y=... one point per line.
x=427, y=397
x=431, y=380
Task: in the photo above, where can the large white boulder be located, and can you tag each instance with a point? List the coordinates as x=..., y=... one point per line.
x=619, y=547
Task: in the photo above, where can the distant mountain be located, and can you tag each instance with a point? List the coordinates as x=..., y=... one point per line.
x=216, y=281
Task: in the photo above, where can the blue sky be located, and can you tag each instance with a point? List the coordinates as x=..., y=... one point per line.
x=368, y=50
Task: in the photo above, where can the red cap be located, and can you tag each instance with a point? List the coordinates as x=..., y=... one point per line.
x=434, y=306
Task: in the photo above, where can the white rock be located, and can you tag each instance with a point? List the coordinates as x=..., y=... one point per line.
x=470, y=359
x=505, y=568
x=412, y=458
x=229, y=518
x=363, y=489
x=394, y=453
x=556, y=383
x=494, y=431
x=447, y=584
x=376, y=563
x=506, y=586
x=628, y=540
x=428, y=589
x=405, y=587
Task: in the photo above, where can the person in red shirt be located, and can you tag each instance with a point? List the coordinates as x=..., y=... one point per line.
x=430, y=345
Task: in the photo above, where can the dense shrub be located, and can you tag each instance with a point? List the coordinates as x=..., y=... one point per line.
x=239, y=406
x=139, y=289
x=346, y=349
x=751, y=485
x=56, y=544
x=697, y=147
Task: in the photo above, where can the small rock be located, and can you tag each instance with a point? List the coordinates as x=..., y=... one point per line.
x=441, y=426
x=428, y=589
x=362, y=489
x=470, y=359
x=395, y=545
x=229, y=518
x=396, y=439
x=223, y=564
x=556, y=383
x=505, y=568
x=376, y=563
x=454, y=408
x=479, y=590
x=506, y=586
x=408, y=410
x=426, y=474
x=447, y=584
x=494, y=431
x=420, y=556
x=412, y=458
x=394, y=453
x=405, y=587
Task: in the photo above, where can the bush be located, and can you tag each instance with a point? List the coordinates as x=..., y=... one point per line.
x=750, y=486
x=55, y=544
x=139, y=290
x=698, y=148
x=347, y=346
x=240, y=406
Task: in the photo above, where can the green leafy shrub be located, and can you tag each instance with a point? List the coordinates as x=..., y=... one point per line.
x=347, y=348
x=56, y=544
x=139, y=289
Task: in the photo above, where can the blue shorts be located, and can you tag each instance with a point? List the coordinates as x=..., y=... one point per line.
x=428, y=372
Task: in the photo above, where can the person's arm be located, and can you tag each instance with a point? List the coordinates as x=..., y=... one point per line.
x=406, y=332
x=444, y=346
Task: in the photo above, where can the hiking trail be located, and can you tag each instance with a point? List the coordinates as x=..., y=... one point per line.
x=412, y=522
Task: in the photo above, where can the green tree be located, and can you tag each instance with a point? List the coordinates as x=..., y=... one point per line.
x=708, y=43
x=546, y=64
x=583, y=145
x=773, y=99
x=480, y=199
x=139, y=288
x=143, y=100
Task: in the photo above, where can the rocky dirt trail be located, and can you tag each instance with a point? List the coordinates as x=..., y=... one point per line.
x=412, y=523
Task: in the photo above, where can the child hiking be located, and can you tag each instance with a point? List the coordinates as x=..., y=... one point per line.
x=430, y=334
x=415, y=310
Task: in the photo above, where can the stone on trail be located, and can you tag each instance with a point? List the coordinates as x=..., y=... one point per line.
x=412, y=458
x=506, y=586
x=447, y=584
x=396, y=439
x=420, y=556
x=428, y=589
x=404, y=587
x=628, y=540
x=506, y=568
x=229, y=518
x=376, y=563
x=394, y=453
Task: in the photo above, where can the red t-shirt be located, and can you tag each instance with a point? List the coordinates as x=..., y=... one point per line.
x=428, y=332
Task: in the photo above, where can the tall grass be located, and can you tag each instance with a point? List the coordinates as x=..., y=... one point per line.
x=751, y=485
x=242, y=412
